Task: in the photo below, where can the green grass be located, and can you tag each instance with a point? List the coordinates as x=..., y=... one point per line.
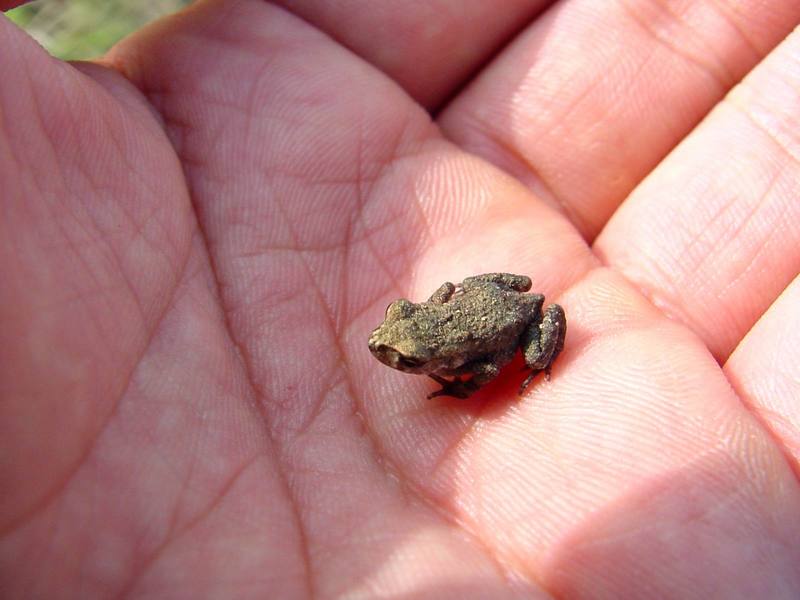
x=81, y=29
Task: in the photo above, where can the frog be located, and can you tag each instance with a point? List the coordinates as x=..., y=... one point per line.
x=464, y=334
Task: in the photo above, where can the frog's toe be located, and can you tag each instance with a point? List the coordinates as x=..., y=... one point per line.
x=456, y=389
x=530, y=378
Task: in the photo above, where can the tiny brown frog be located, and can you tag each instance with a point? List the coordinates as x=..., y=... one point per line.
x=468, y=332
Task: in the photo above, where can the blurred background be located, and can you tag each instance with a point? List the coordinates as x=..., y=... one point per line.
x=80, y=29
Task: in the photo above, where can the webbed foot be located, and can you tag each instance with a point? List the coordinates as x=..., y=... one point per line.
x=457, y=388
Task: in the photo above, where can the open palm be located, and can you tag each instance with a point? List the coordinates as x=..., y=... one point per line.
x=197, y=236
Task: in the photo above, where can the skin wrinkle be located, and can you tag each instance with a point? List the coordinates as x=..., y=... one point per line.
x=751, y=214
x=251, y=108
x=617, y=538
x=693, y=242
x=47, y=550
x=427, y=234
x=243, y=355
x=75, y=297
x=77, y=221
x=363, y=193
x=521, y=165
x=76, y=251
x=408, y=255
x=726, y=12
x=785, y=150
x=144, y=182
x=57, y=489
x=760, y=415
x=341, y=361
x=720, y=212
x=718, y=72
x=57, y=219
x=667, y=297
x=746, y=406
x=55, y=493
x=472, y=430
x=52, y=157
x=128, y=286
x=173, y=521
x=259, y=252
x=785, y=423
x=652, y=295
x=111, y=129
x=174, y=534
x=139, y=233
x=6, y=156
x=378, y=259
x=395, y=290
x=362, y=197
x=317, y=408
x=573, y=106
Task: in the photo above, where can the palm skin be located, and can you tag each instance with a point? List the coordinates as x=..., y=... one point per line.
x=198, y=235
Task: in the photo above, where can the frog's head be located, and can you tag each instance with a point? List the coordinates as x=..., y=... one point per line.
x=400, y=341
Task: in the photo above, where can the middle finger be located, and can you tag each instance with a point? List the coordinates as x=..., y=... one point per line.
x=587, y=100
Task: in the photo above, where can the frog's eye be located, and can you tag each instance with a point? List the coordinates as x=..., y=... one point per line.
x=411, y=363
x=399, y=309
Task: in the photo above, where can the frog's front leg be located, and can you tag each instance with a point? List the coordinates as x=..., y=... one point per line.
x=482, y=373
x=443, y=294
x=542, y=341
x=517, y=283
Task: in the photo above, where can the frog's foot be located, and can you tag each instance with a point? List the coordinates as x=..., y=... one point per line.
x=457, y=388
x=530, y=378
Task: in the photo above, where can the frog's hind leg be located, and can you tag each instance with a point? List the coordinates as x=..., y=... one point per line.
x=517, y=283
x=542, y=342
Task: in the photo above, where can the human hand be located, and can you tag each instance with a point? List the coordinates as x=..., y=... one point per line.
x=198, y=236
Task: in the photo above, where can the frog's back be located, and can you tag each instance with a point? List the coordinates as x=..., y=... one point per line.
x=483, y=321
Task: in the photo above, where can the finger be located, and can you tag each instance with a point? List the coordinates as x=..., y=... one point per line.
x=429, y=48
x=94, y=231
x=317, y=200
x=587, y=101
x=713, y=236
x=764, y=370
